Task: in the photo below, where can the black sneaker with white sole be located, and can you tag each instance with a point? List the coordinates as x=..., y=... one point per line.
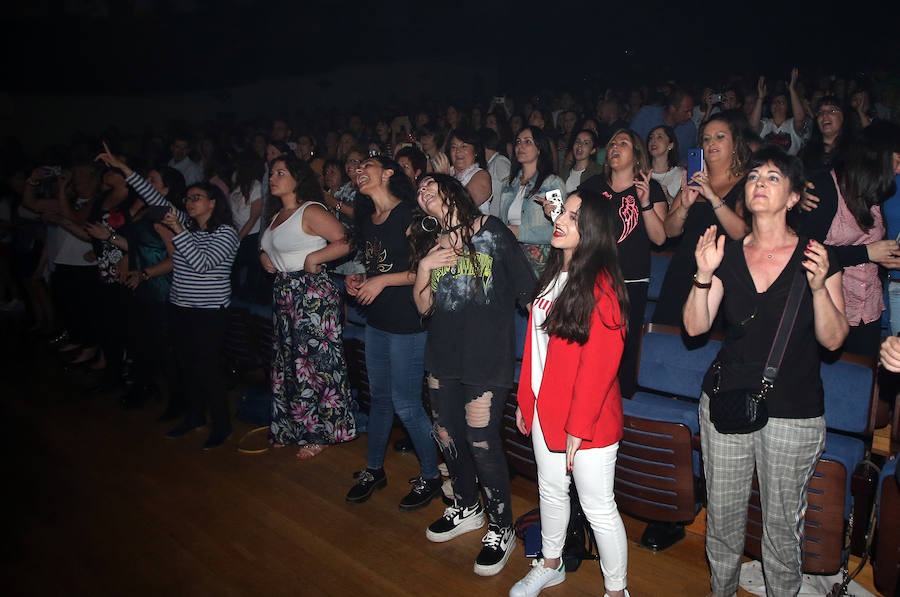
x=421, y=494
x=366, y=483
x=455, y=522
x=498, y=545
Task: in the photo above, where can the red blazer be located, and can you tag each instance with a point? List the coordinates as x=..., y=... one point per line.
x=579, y=391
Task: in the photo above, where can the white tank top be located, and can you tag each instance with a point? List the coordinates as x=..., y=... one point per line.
x=287, y=245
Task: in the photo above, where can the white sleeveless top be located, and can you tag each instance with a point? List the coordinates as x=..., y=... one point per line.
x=287, y=245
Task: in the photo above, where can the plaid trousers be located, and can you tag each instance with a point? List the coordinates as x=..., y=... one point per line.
x=785, y=453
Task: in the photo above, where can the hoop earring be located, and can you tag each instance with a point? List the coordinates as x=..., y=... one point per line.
x=433, y=227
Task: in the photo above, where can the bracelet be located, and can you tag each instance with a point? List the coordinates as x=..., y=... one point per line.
x=647, y=207
x=721, y=204
x=699, y=284
x=144, y=275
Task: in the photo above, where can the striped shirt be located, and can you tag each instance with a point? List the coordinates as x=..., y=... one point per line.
x=202, y=260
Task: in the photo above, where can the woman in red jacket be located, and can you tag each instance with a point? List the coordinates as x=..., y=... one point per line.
x=569, y=397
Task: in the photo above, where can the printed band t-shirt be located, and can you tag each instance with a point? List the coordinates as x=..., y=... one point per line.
x=471, y=333
x=633, y=242
x=385, y=250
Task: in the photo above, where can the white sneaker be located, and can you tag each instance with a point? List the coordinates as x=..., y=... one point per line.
x=497, y=545
x=455, y=522
x=627, y=594
x=538, y=578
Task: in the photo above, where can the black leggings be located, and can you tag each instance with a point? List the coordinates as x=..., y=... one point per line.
x=467, y=422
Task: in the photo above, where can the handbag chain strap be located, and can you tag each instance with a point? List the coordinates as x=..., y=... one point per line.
x=785, y=327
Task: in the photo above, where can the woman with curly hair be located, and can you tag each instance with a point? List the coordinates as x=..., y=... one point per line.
x=469, y=276
x=311, y=393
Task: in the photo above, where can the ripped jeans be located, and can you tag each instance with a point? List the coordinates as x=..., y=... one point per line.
x=467, y=422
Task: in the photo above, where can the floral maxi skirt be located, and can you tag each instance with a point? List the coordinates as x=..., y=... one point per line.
x=311, y=400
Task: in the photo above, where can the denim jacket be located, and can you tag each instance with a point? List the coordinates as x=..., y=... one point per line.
x=536, y=228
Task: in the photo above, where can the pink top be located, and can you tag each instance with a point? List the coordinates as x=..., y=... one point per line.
x=863, y=297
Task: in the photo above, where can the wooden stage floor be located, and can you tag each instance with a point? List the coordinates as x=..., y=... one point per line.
x=103, y=504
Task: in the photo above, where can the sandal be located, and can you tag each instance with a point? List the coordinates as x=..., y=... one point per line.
x=308, y=451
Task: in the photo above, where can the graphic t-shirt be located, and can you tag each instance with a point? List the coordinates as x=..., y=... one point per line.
x=385, y=250
x=471, y=333
x=634, y=244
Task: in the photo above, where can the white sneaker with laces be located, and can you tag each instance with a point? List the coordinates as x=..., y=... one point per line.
x=537, y=579
x=497, y=545
x=455, y=522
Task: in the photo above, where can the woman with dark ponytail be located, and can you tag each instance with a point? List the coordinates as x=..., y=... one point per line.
x=575, y=340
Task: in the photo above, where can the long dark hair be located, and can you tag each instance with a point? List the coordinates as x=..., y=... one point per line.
x=545, y=157
x=307, y=189
x=672, y=154
x=813, y=154
x=399, y=185
x=221, y=214
x=250, y=169
x=866, y=173
x=458, y=201
x=594, y=258
x=174, y=181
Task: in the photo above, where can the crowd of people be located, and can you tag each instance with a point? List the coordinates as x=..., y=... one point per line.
x=437, y=223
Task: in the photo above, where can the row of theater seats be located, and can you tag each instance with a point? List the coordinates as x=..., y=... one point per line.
x=659, y=476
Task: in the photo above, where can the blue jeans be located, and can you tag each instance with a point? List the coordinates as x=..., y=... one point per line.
x=396, y=363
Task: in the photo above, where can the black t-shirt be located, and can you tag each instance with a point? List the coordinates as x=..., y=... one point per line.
x=385, y=250
x=677, y=283
x=471, y=331
x=751, y=322
x=634, y=244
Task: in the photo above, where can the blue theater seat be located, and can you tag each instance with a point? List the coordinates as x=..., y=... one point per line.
x=851, y=394
x=658, y=472
x=886, y=567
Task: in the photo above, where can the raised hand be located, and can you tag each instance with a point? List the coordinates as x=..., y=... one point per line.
x=441, y=163
x=700, y=182
x=761, y=87
x=816, y=265
x=709, y=253
x=107, y=157
x=795, y=74
x=642, y=184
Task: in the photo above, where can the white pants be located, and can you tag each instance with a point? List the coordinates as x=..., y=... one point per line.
x=594, y=471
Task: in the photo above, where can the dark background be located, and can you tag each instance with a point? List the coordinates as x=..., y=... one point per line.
x=145, y=46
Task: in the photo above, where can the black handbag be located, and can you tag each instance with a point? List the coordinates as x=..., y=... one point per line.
x=744, y=410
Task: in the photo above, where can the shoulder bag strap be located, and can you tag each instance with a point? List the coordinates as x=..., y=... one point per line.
x=785, y=326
